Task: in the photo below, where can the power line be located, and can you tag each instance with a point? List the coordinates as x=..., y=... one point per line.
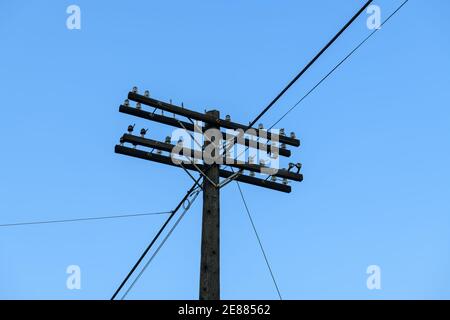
x=311, y=63
x=83, y=219
x=304, y=97
x=339, y=64
x=306, y=69
x=259, y=240
x=336, y=67
x=189, y=192
x=248, y=212
x=161, y=245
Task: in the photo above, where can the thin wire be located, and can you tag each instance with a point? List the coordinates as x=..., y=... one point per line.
x=161, y=245
x=251, y=124
x=339, y=64
x=259, y=240
x=311, y=62
x=335, y=68
x=190, y=175
x=189, y=192
x=83, y=219
x=306, y=68
x=323, y=79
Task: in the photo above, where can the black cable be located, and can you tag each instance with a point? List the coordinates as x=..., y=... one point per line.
x=250, y=125
x=311, y=63
x=161, y=245
x=259, y=240
x=155, y=238
x=323, y=79
x=339, y=64
x=83, y=219
x=308, y=65
x=336, y=67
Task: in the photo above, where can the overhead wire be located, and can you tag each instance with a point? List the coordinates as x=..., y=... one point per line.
x=191, y=202
x=307, y=67
x=310, y=63
x=335, y=68
x=250, y=125
x=339, y=64
x=317, y=85
x=83, y=219
x=156, y=237
x=259, y=241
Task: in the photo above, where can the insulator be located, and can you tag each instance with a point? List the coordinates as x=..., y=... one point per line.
x=147, y=94
x=274, y=179
x=168, y=139
x=138, y=105
x=130, y=128
x=282, y=132
x=126, y=103
x=228, y=117
x=285, y=181
x=135, y=90
x=293, y=135
x=260, y=126
x=274, y=156
x=143, y=132
x=252, y=174
x=283, y=146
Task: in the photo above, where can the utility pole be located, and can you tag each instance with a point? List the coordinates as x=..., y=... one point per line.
x=210, y=254
x=136, y=146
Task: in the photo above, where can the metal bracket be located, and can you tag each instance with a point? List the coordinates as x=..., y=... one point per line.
x=230, y=179
x=204, y=175
x=192, y=177
x=192, y=162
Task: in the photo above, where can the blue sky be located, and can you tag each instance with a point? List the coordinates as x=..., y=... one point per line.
x=375, y=147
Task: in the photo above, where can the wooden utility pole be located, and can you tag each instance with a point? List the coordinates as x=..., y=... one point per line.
x=162, y=152
x=210, y=250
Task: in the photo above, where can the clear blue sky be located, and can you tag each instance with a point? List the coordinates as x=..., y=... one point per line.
x=375, y=147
